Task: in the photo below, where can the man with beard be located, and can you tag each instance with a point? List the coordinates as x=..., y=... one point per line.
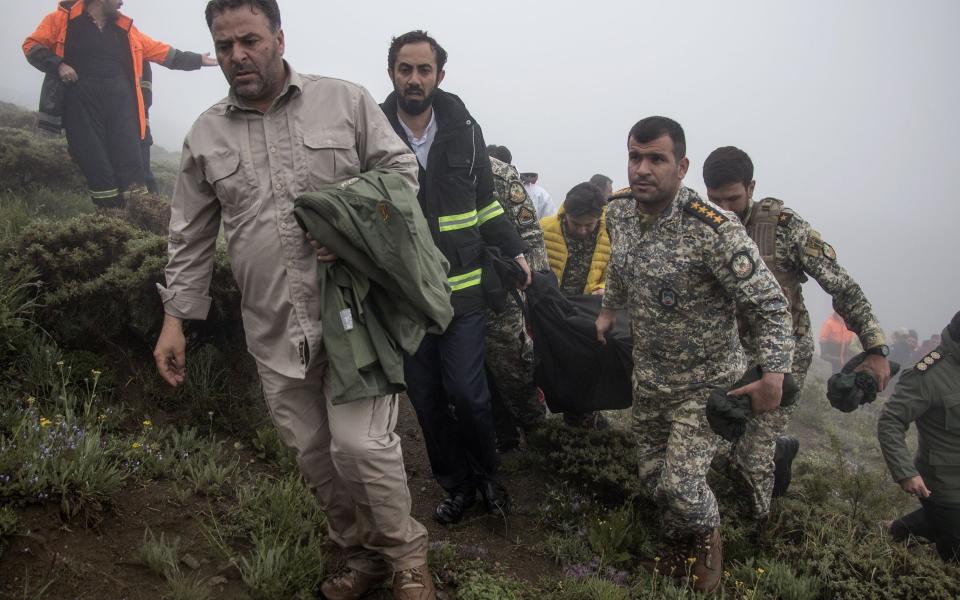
x=277, y=135
x=456, y=195
x=682, y=270
x=793, y=250
x=93, y=55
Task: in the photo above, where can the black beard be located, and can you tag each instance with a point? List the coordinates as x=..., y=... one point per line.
x=414, y=107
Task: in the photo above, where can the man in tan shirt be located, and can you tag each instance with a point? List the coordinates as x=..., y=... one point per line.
x=277, y=135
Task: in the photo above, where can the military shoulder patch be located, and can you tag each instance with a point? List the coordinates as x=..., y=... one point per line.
x=928, y=361
x=828, y=252
x=620, y=194
x=525, y=216
x=784, y=218
x=517, y=194
x=814, y=245
x=706, y=213
x=742, y=265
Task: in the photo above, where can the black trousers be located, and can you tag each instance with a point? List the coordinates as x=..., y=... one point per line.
x=148, y=179
x=103, y=136
x=936, y=522
x=447, y=385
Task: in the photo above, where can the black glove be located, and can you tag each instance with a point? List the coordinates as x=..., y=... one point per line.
x=847, y=390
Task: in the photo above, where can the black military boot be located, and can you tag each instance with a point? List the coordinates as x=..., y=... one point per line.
x=787, y=448
x=495, y=496
x=452, y=509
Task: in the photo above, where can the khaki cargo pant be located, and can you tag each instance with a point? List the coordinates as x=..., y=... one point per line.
x=351, y=457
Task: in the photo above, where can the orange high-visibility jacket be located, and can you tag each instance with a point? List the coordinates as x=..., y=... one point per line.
x=44, y=50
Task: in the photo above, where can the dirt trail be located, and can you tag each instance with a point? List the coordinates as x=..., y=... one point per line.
x=102, y=562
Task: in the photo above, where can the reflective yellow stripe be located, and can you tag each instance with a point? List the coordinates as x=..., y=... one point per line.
x=461, y=221
x=460, y=282
x=488, y=212
x=104, y=194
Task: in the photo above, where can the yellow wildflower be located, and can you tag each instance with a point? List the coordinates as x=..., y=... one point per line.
x=147, y=423
x=30, y=400
x=760, y=571
x=96, y=372
x=45, y=422
x=136, y=445
x=691, y=560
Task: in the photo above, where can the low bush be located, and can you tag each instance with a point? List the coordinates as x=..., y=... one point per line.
x=99, y=279
x=27, y=158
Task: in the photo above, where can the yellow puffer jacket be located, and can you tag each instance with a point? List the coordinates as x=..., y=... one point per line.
x=557, y=251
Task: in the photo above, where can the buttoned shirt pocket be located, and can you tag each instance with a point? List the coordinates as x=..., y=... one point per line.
x=951, y=411
x=328, y=157
x=235, y=188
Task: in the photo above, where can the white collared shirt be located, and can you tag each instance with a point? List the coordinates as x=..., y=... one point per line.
x=421, y=145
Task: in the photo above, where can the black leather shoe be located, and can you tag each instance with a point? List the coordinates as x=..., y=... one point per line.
x=452, y=509
x=787, y=448
x=495, y=497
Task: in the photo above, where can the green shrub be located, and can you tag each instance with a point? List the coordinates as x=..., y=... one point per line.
x=27, y=158
x=16, y=117
x=99, y=283
x=605, y=462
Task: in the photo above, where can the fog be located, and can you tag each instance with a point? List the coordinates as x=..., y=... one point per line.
x=848, y=109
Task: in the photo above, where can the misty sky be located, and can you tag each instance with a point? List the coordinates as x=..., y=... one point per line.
x=849, y=109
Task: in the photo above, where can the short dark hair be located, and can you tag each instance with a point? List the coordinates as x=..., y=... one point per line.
x=727, y=165
x=268, y=7
x=500, y=153
x=415, y=37
x=651, y=128
x=584, y=199
x=954, y=327
x=600, y=180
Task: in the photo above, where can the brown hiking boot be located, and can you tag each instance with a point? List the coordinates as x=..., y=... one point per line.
x=414, y=584
x=707, y=567
x=350, y=585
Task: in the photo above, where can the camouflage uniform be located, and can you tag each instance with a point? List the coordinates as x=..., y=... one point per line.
x=682, y=276
x=579, y=260
x=509, y=350
x=792, y=250
x=620, y=208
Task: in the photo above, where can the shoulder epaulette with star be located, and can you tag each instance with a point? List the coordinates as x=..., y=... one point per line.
x=706, y=213
x=784, y=218
x=621, y=194
x=928, y=361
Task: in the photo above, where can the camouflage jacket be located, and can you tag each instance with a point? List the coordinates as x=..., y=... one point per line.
x=621, y=207
x=509, y=191
x=799, y=251
x=682, y=283
x=579, y=260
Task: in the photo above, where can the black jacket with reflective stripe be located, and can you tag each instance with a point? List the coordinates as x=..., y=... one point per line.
x=458, y=183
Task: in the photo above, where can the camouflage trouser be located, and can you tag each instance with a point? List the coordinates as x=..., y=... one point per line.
x=509, y=360
x=750, y=459
x=675, y=446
